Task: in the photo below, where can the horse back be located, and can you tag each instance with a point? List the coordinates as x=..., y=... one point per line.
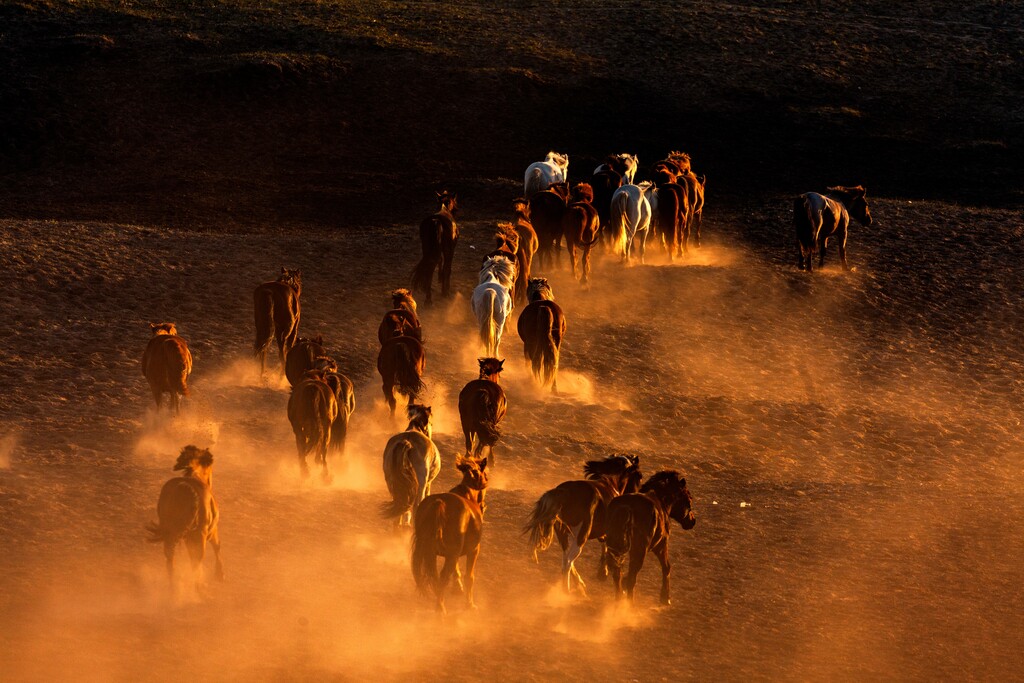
x=312, y=402
x=166, y=356
x=185, y=505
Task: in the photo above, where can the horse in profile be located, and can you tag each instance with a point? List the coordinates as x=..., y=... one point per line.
x=492, y=300
x=302, y=358
x=166, y=364
x=640, y=522
x=312, y=411
x=344, y=394
x=438, y=236
x=541, y=175
x=630, y=219
x=482, y=407
x=581, y=226
x=276, y=305
x=576, y=511
x=187, y=512
x=449, y=525
x=623, y=164
x=541, y=326
x=546, y=211
x=401, y=363
x=411, y=463
x=818, y=218
x=528, y=245
x=401, y=320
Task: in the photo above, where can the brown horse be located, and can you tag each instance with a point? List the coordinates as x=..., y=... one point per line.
x=481, y=407
x=302, y=358
x=541, y=326
x=639, y=523
x=670, y=214
x=818, y=218
x=582, y=228
x=438, y=236
x=604, y=183
x=312, y=410
x=546, y=210
x=344, y=394
x=576, y=512
x=188, y=512
x=277, y=309
x=401, y=362
x=449, y=525
x=527, y=245
x=166, y=364
x=411, y=463
x=676, y=169
x=401, y=320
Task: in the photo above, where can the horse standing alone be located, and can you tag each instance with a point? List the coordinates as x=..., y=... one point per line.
x=818, y=218
x=166, y=364
x=277, y=311
x=541, y=326
x=438, y=236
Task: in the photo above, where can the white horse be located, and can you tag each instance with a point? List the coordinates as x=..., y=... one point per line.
x=631, y=218
x=541, y=175
x=628, y=162
x=492, y=300
x=411, y=463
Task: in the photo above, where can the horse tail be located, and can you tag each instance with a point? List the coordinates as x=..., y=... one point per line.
x=487, y=428
x=619, y=534
x=430, y=239
x=802, y=222
x=488, y=332
x=619, y=239
x=179, y=367
x=178, y=511
x=263, y=307
x=541, y=525
x=427, y=540
x=402, y=481
x=548, y=348
x=407, y=373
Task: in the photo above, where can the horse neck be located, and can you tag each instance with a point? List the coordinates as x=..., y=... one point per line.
x=492, y=377
x=475, y=496
x=203, y=474
x=417, y=426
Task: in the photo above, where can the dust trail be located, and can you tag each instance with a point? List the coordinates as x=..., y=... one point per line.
x=8, y=443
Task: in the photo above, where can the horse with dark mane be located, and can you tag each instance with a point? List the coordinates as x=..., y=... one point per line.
x=344, y=393
x=166, y=364
x=576, y=511
x=481, y=407
x=312, y=410
x=438, y=236
x=640, y=522
x=401, y=362
x=277, y=310
x=676, y=169
x=449, y=525
x=541, y=326
x=669, y=218
x=818, y=218
x=581, y=226
x=302, y=358
x=411, y=463
x=528, y=244
x=546, y=210
x=604, y=185
x=401, y=320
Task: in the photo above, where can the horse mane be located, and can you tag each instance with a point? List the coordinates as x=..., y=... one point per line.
x=419, y=417
x=502, y=266
x=613, y=464
x=507, y=235
x=560, y=160
x=193, y=454
x=325, y=364
x=163, y=328
x=584, y=192
x=539, y=287
x=660, y=479
x=857, y=190
x=402, y=296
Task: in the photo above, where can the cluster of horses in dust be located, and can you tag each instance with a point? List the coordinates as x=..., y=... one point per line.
x=611, y=504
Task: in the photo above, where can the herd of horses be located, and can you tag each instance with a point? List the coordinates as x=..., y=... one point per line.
x=611, y=504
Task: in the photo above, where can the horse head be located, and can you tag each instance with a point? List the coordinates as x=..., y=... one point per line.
x=196, y=462
x=855, y=201
x=681, y=160
x=670, y=490
x=402, y=298
x=559, y=160
x=325, y=364
x=521, y=205
x=449, y=201
x=490, y=368
x=474, y=472
x=538, y=289
x=506, y=237
x=291, y=277
x=419, y=418
x=163, y=328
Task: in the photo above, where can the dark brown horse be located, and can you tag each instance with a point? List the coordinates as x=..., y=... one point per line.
x=639, y=523
x=581, y=226
x=481, y=407
x=166, y=364
x=528, y=244
x=449, y=525
x=576, y=512
x=438, y=236
x=669, y=218
x=302, y=358
x=345, y=394
x=818, y=218
x=401, y=320
x=546, y=210
x=401, y=363
x=312, y=410
x=604, y=184
x=541, y=326
x=276, y=305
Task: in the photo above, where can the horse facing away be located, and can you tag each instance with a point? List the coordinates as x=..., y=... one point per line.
x=604, y=185
x=581, y=226
x=482, y=406
x=576, y=511
x=401, y=320
x=166, y=364
x=302, y=358
x=541, y=326
x=277, y=310
x=623, y=164
x=492, y=301
x=438, y=236
x=411, y=463
x=401, y=363
x=630, y=219
x=546, y=211
x=528, y=244
x=344, y=394
x=312, y=410
x=449, y=525
x=818, y=218
x=541, y=175
x=187, y=512
x=669, y=218
x=639, y=523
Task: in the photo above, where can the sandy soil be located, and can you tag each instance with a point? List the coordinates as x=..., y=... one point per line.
x=852, y=442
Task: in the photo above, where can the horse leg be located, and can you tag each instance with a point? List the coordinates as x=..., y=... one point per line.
x=175, y=402
x=571, y=246
x=196, y=544
x=842, y=251
x=442, y=583
x=569, y=557
x=636, y=563
x=471, y=556
x=169, y=556
x=469, y=441
x=822, y=245
x=157, y=397
x=389, y=396
x=616, y=569
x=661, y=552
x=300, y=446
x=446, y=271
x=586, y=264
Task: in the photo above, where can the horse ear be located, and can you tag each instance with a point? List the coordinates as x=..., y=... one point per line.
x=501, y=364
x=481, y=361
x=483, y=464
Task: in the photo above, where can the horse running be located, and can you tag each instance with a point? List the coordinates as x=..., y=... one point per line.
x=438, y=235
x=312, y=411
x=166, y=364
x=401, y=363
x=576, y=511
x=276, y=305
x=546, y=211
x=669, y=218
x=639, y=523
x=344, y=394
x=541, y=175
x=630, y=219
x=188, y=512
x=818, y=218
x=623, y=164
x=411, y=463
x=541, y=326
x=492, y=300
x=302, y=358
x=482, y=407
x=581, y=226
x=401, y=320
x=528, y=244
x=449, y=525
x=604, y=185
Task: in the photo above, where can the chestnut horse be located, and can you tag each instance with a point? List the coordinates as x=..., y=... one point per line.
x=576, y=511
x=481, y=407
x=449, y=525
x=581, y=226
x=276, y=305
x=188, y=512
x=302, y=357
x=528, y=244
x=401, y=362
x=820, y=217
x=166, y=364
x=401, y=319
x=639, y=523
x=345, y=394
x=411, y=463
x=312, y=411
x=438, y=235
x=546, y=210
x=541, y=326
x=669, y=218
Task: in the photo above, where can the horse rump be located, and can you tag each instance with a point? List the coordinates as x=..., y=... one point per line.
x=430, y=239
x=427, y=539
x=400, y=476
x=263, y=308
x=178, y=512
x=545, y=363
x=541, y=525
x=619, y=533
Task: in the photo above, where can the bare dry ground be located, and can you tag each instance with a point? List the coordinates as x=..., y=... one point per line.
x=160, y=159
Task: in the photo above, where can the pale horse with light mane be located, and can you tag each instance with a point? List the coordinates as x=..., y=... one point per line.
x=541, y=175
x=630, y=219
x=492, y=301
